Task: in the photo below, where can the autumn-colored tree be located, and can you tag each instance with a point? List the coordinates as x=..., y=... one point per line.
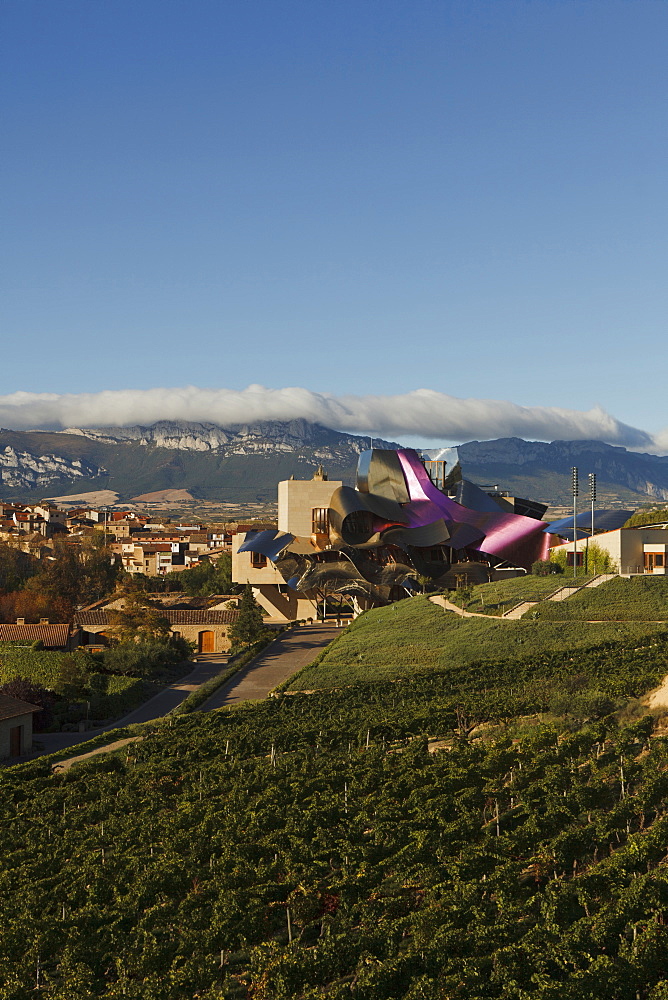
x=32, y=605
x=138, y=620
x=77, y=574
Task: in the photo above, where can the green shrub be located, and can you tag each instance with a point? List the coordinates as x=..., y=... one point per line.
x=112, y=696
x=546, y=567
x=143, y=659
x=594, y=559
x=39, y=666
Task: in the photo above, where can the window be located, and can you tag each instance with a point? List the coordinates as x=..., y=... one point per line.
x=360, y=523
x=653, y=560
x=320, y=520
x=258, y=560
x=569, y=559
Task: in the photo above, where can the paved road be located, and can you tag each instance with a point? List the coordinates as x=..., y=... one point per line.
x=157, y=706
x=278, y=662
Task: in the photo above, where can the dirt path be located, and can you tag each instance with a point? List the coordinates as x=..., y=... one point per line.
x=155, y=708
x=65, y=765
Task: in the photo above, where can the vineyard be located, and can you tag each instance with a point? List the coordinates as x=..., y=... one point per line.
x=100, y=686
x=39, y=666
x=487, y=830
x=415, y=635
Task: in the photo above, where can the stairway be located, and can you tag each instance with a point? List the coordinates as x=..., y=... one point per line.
x=519, y=610
x=601, y=578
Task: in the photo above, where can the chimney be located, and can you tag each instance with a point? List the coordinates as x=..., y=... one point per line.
x=20, y=621
x=44, y=621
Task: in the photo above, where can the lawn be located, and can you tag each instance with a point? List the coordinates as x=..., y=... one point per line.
x=414, y=636
x=640, y=598
x=499, y=597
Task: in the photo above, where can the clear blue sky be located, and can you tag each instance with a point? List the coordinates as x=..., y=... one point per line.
x=353, y=197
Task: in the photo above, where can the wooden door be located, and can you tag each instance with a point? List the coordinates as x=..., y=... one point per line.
x=15, y=741
x=207, y=642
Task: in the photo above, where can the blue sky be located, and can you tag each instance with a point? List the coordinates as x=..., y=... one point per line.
x=355, y=198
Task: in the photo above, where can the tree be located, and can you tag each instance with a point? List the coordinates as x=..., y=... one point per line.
x=249, y=626
x=78, y=574
x=15, y=567
x=73, y=681
x=34, y=694
x=32, y=605
x=139, y=620
x=204, y=579
x=597, y=558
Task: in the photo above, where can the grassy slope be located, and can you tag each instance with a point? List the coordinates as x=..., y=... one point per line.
x=639, y=598
x=414, y=635
x=497, y=598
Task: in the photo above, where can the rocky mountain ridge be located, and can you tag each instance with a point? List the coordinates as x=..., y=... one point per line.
x=23, y=470
x=264, y=437
x=246, y=461
x=515, y=458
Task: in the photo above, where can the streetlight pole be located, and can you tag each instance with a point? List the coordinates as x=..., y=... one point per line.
x=574, y=472
x=592, y=494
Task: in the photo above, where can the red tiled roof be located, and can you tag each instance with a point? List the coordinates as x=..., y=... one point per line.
x=53, y=636
x=173, y=616
x=10, y=707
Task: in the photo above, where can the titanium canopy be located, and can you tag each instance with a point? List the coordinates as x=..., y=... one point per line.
x=395, y=526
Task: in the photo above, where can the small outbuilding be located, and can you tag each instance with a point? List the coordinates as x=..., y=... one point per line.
x=15, y=726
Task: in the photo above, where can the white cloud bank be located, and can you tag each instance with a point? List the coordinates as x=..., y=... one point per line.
x=422, y=412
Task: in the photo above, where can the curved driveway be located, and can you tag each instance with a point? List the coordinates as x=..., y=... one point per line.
x=274, y=665
x=283, y=658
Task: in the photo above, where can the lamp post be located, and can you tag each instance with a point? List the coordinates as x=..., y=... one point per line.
x=592, y=495
x=574, y=472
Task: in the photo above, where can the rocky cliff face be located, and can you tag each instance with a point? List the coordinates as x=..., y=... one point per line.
x=21, y=469
x=268, y=437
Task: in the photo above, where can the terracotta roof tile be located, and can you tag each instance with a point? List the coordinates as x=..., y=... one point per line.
x=174, y=617
x=10, y=707
x=53, y=636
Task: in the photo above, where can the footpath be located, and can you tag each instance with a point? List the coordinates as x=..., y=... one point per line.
x=521, y=608
x=279, y=661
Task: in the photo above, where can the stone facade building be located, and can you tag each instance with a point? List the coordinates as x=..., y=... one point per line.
x=15, y=726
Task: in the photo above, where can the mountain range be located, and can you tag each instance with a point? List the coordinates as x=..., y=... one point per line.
x=245, y=462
